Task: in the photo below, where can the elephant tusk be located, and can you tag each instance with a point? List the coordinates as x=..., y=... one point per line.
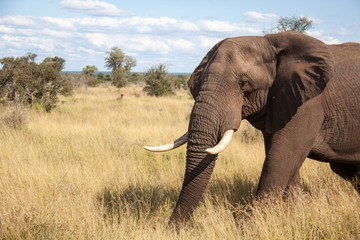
x=224, y=142
x=170, y=146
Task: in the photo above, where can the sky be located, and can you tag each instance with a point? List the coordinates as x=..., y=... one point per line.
x=176, y=33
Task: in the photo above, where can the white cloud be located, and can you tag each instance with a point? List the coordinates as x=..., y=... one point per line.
x=44, y=44
x=217, y=26
x=89, y=51
x=313, y=19
x=10, y=38
x=94, y=7
x=156, y=25
x=181, y=44
x=260, y=17
x=208, y=42
x=323, y=37
x=8, y=30
x=58, y=34
x=235, y=29
x=97, y=39
x=147, y=43
x=97, y=23
x=23, y=43
x=136, y=43
x=65, y=23
x=18, y=20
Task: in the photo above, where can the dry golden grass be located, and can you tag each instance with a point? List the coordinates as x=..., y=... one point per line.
x=80, y=172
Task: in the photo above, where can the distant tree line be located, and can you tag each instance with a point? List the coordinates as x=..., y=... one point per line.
x=157, y=80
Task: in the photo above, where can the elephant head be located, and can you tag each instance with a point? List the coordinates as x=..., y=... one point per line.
x=261, y=79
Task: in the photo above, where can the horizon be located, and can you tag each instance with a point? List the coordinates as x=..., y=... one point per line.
x=109, y=72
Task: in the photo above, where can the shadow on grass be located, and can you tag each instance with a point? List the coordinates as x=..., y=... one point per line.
x=141, y=202
x=137, y=202
x=235, y=191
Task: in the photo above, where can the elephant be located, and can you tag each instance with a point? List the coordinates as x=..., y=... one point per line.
x=302, y=94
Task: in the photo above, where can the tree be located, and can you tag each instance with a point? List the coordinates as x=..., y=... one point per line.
x=298, y=24
x=121, y=65
x=157, y=82
x=23, y=81
x=89, y=70
x=56, y=62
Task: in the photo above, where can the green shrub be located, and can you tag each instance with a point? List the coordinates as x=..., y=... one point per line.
x=157, y=81
x=135, y=77
x=180, y=81
x=23, y=81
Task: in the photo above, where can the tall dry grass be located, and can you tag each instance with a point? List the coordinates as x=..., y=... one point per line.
x=80, y=172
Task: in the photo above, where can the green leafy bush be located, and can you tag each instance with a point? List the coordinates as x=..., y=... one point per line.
x=157, y=81
x=25, y=82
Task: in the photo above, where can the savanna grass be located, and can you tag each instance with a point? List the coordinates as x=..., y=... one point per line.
x=80, y=172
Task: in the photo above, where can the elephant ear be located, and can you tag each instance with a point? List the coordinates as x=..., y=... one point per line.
x=196, y=77
x=304, y=67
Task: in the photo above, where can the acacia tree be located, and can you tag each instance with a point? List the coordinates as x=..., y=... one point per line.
x=121, y=65
x=297, y=24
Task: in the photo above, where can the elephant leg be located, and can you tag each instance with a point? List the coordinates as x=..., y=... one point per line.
x=280, y=174
x=349, y=172
x=287, y=149
x=295, y=181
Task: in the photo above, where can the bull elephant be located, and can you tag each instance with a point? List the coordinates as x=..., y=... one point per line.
x=302, y=94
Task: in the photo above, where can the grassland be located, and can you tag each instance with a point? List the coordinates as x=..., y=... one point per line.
x=80, y=172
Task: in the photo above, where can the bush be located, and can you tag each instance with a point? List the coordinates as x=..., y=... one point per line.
x=74, y=80
x=180, y=81
x=23, y=81
x=157, y=81
x=91, y=80
x=135, y=77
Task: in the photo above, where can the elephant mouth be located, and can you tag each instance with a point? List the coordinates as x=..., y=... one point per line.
x=255, y=115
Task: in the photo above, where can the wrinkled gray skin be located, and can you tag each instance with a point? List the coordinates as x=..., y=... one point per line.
x=302, y=94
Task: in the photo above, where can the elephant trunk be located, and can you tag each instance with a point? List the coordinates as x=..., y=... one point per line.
x=203, y=133
x=208, y=123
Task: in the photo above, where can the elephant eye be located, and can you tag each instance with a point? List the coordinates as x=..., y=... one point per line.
x=245, y=85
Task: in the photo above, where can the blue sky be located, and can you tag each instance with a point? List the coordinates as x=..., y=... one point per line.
x=177, y=33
